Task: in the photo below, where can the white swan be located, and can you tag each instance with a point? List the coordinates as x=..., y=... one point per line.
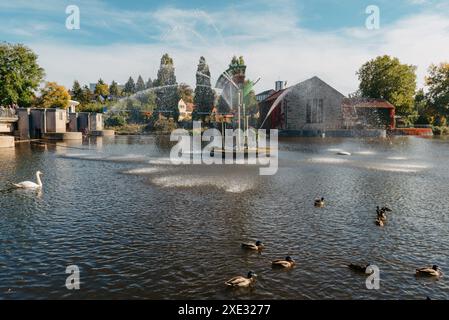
x=29, y=184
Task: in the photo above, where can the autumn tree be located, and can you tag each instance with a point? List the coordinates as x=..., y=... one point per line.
x=101, y=89
x=53, y=96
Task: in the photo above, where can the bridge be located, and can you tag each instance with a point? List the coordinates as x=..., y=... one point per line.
x=8, y=118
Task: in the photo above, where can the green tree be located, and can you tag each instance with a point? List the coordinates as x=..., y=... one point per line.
x=101, y=89
x=222, y=105
x=53, y=96
x=77, y=91
x=386, y=78
x=140, y=84
x=167, y=95
x=130, y=87
x=149, y=84
x=185, y=92
x=204, y=94
x=86, y=96
x=437, y=83
x=114, y=90
x=249, y=99
x=20, y=74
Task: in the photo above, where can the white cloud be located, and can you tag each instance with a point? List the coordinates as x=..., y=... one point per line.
x=274, y=47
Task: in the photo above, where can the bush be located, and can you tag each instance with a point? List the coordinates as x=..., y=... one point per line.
x=115, y=121
x=164, y=125
x=440, y=131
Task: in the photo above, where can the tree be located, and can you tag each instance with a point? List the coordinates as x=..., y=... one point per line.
x=422, y=108
x=222, y=106
x=185, y=93
x=114, y=90
x=86, y=96
x=249, y=99
x=386, y=78
x=77, y=91
x=140, y=85
x=149, y=84
x=438, y=88
x=101, y=89
x=204, y=94
x=20, y=74
x=130, y=87
x=167, y=96
x=53, y=96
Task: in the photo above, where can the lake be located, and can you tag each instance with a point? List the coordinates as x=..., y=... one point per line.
x=139, y=227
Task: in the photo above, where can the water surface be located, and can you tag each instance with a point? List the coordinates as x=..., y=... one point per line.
x=139, y=227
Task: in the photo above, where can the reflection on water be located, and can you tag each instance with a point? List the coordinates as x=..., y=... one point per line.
x=139, y=227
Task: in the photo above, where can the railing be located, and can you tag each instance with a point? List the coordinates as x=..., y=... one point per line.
x=8, y=113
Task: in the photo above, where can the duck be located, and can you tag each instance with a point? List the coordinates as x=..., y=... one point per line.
x=288, y=262
x=433, y=271
x=386, y=209
x=379, y=222
x=242, y=282
x=30, y=184
x=381, y=214
x=358, y=267
x=257, y=246
x=319, y=203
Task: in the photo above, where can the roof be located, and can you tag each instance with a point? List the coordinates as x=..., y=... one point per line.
x=274, y=95
x=367, y=103
x=270, y=91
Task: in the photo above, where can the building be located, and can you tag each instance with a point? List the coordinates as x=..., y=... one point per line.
x=312, y=107
x=185, y=110
x=368, y=113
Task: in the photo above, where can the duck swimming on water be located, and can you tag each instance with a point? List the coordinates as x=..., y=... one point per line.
x=242, y=282
x=257, y=246
x=319, y=203
x=433, y=271
x=288, y=262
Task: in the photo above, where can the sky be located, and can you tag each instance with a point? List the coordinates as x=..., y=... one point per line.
x=280, y=40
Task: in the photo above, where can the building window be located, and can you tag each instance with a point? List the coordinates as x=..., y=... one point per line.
x=315, y=111
x=320, y=111
x=308, y=112
x=60, y=116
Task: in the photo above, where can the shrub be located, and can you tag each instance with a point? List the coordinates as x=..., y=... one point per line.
x=115, y=121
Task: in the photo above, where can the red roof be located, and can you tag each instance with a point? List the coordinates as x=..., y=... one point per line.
x=274, y=96
x=367, y=103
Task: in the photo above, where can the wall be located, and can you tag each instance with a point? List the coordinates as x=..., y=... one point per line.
x=304, y=92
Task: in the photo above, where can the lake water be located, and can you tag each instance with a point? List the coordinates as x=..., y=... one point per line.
x=139, y=227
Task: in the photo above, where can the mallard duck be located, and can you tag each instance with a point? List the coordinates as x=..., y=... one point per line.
x=386, y=209
x=319, y=203
x=379, y=222
x=358, y=267
x=241, y=282
x=258, y=245
x=433, y=271
x=288, y=262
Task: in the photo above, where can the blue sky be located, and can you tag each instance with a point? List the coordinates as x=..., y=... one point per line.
x=285, y=39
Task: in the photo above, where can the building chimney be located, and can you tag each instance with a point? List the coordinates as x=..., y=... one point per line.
x=279, y=85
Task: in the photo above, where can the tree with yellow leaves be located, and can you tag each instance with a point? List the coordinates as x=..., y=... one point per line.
x=53, y=96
